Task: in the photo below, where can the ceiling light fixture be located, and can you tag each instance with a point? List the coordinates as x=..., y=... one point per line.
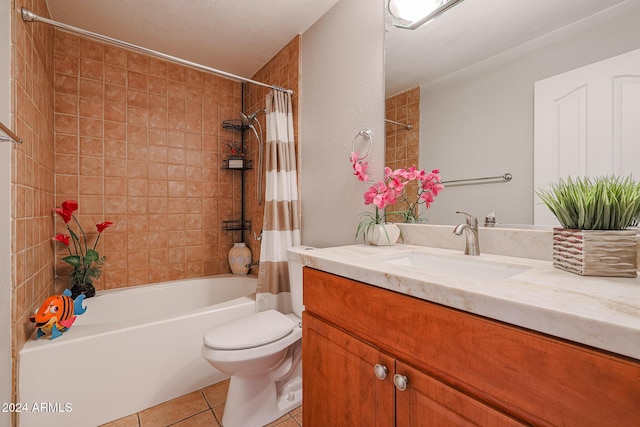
x=411, y=14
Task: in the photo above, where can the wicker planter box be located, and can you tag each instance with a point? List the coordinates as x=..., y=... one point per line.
x=596, y=252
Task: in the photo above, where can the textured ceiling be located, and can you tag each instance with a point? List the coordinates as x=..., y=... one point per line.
x=236, y=36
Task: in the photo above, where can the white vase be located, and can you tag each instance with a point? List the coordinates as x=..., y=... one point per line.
x=239, y=258
x=383, y=234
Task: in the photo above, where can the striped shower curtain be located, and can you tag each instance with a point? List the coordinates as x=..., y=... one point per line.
x=281, y=226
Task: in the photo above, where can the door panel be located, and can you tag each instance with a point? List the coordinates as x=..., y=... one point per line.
x=428, y=402
x=586, y=124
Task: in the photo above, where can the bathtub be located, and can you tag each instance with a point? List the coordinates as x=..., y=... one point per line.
x=132, y=349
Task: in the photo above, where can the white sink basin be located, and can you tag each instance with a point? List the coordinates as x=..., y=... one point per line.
x=469, y=266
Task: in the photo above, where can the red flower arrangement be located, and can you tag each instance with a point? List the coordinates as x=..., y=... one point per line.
x=85, y=260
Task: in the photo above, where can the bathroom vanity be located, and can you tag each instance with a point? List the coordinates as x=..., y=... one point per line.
x=389, y=339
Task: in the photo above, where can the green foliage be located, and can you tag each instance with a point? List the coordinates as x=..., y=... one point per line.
x=602, y=203
x=409, y=216
x=83, y=271
x=73, y=260
x=367, y=222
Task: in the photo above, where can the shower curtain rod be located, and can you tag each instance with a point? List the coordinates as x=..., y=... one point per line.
x=29, y=16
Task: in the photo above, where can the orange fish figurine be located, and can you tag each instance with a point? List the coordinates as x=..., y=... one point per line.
x=56, y=314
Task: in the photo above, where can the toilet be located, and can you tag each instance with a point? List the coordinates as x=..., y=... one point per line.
x=262, y=353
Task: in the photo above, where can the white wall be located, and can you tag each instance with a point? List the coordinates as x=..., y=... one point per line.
x=481, y=122
x=342, y=93
x=5, y=211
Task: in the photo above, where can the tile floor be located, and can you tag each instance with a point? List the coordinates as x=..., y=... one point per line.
x=202, y=408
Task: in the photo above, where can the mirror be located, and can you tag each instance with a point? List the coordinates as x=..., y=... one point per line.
x=473, y=70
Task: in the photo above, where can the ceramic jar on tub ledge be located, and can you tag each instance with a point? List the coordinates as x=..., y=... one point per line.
x=239, y=258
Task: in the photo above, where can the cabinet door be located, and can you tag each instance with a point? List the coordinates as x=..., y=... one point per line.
x=427, y=402
x=340, y=387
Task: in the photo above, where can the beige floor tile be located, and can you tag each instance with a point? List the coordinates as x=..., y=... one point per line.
x=296, y=414
x=203, y=419
x=296, y=411
x=173, y=411
x=285, y=422
x=128, y=421
x=202, y=408
x=280, y=421
x=216, y=394
x=219, y=411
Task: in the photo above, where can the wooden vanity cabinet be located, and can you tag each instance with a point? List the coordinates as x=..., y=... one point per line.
x=341, y=387
x=460, y=369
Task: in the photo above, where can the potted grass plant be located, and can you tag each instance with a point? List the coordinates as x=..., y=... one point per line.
x=595, y=214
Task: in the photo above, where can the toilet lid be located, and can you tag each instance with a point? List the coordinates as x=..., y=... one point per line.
x=251, y=331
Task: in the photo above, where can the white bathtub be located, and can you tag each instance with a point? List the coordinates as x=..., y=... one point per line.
x=132, y=349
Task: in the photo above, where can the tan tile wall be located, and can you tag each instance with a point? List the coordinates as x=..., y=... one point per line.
x=32, y=180
x=138, y=142
x=402, y=146
x=283, y=70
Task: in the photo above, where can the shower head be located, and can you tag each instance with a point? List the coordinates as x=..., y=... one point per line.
x=248, y=120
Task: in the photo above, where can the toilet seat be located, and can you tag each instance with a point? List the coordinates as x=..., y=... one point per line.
x=248, y=332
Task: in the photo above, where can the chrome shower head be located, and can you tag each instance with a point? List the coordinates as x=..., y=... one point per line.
x=248, y=120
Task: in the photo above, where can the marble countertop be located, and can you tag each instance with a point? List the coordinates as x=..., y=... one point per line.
x=603, y=312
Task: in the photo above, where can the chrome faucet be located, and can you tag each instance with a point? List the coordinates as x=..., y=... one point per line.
x=470, y=229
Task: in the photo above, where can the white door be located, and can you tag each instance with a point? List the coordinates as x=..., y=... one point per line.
x=587, y=123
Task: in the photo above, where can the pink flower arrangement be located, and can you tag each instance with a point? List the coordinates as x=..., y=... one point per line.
x=429, y=186
x=393, y=188
x=359, y=167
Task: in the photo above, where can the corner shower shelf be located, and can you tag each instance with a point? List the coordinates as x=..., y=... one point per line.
x=236, y=225
x=232, y=164
x=234, y=124
x=248, y=164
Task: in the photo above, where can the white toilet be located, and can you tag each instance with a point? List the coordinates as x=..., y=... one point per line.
x=262, y=353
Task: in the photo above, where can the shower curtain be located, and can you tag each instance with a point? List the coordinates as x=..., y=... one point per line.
x=281, y=226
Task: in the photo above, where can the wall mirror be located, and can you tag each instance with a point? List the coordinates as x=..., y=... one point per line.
x=474, y=68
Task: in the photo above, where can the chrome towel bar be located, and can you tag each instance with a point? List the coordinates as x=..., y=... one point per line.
x=406, y=125
x=7, y=136
x=502, y=178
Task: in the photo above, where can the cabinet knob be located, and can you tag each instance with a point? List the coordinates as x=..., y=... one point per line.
x=400, y=382
x=380, y=371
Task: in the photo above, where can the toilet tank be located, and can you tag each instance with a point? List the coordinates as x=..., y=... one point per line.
x=295, y=277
